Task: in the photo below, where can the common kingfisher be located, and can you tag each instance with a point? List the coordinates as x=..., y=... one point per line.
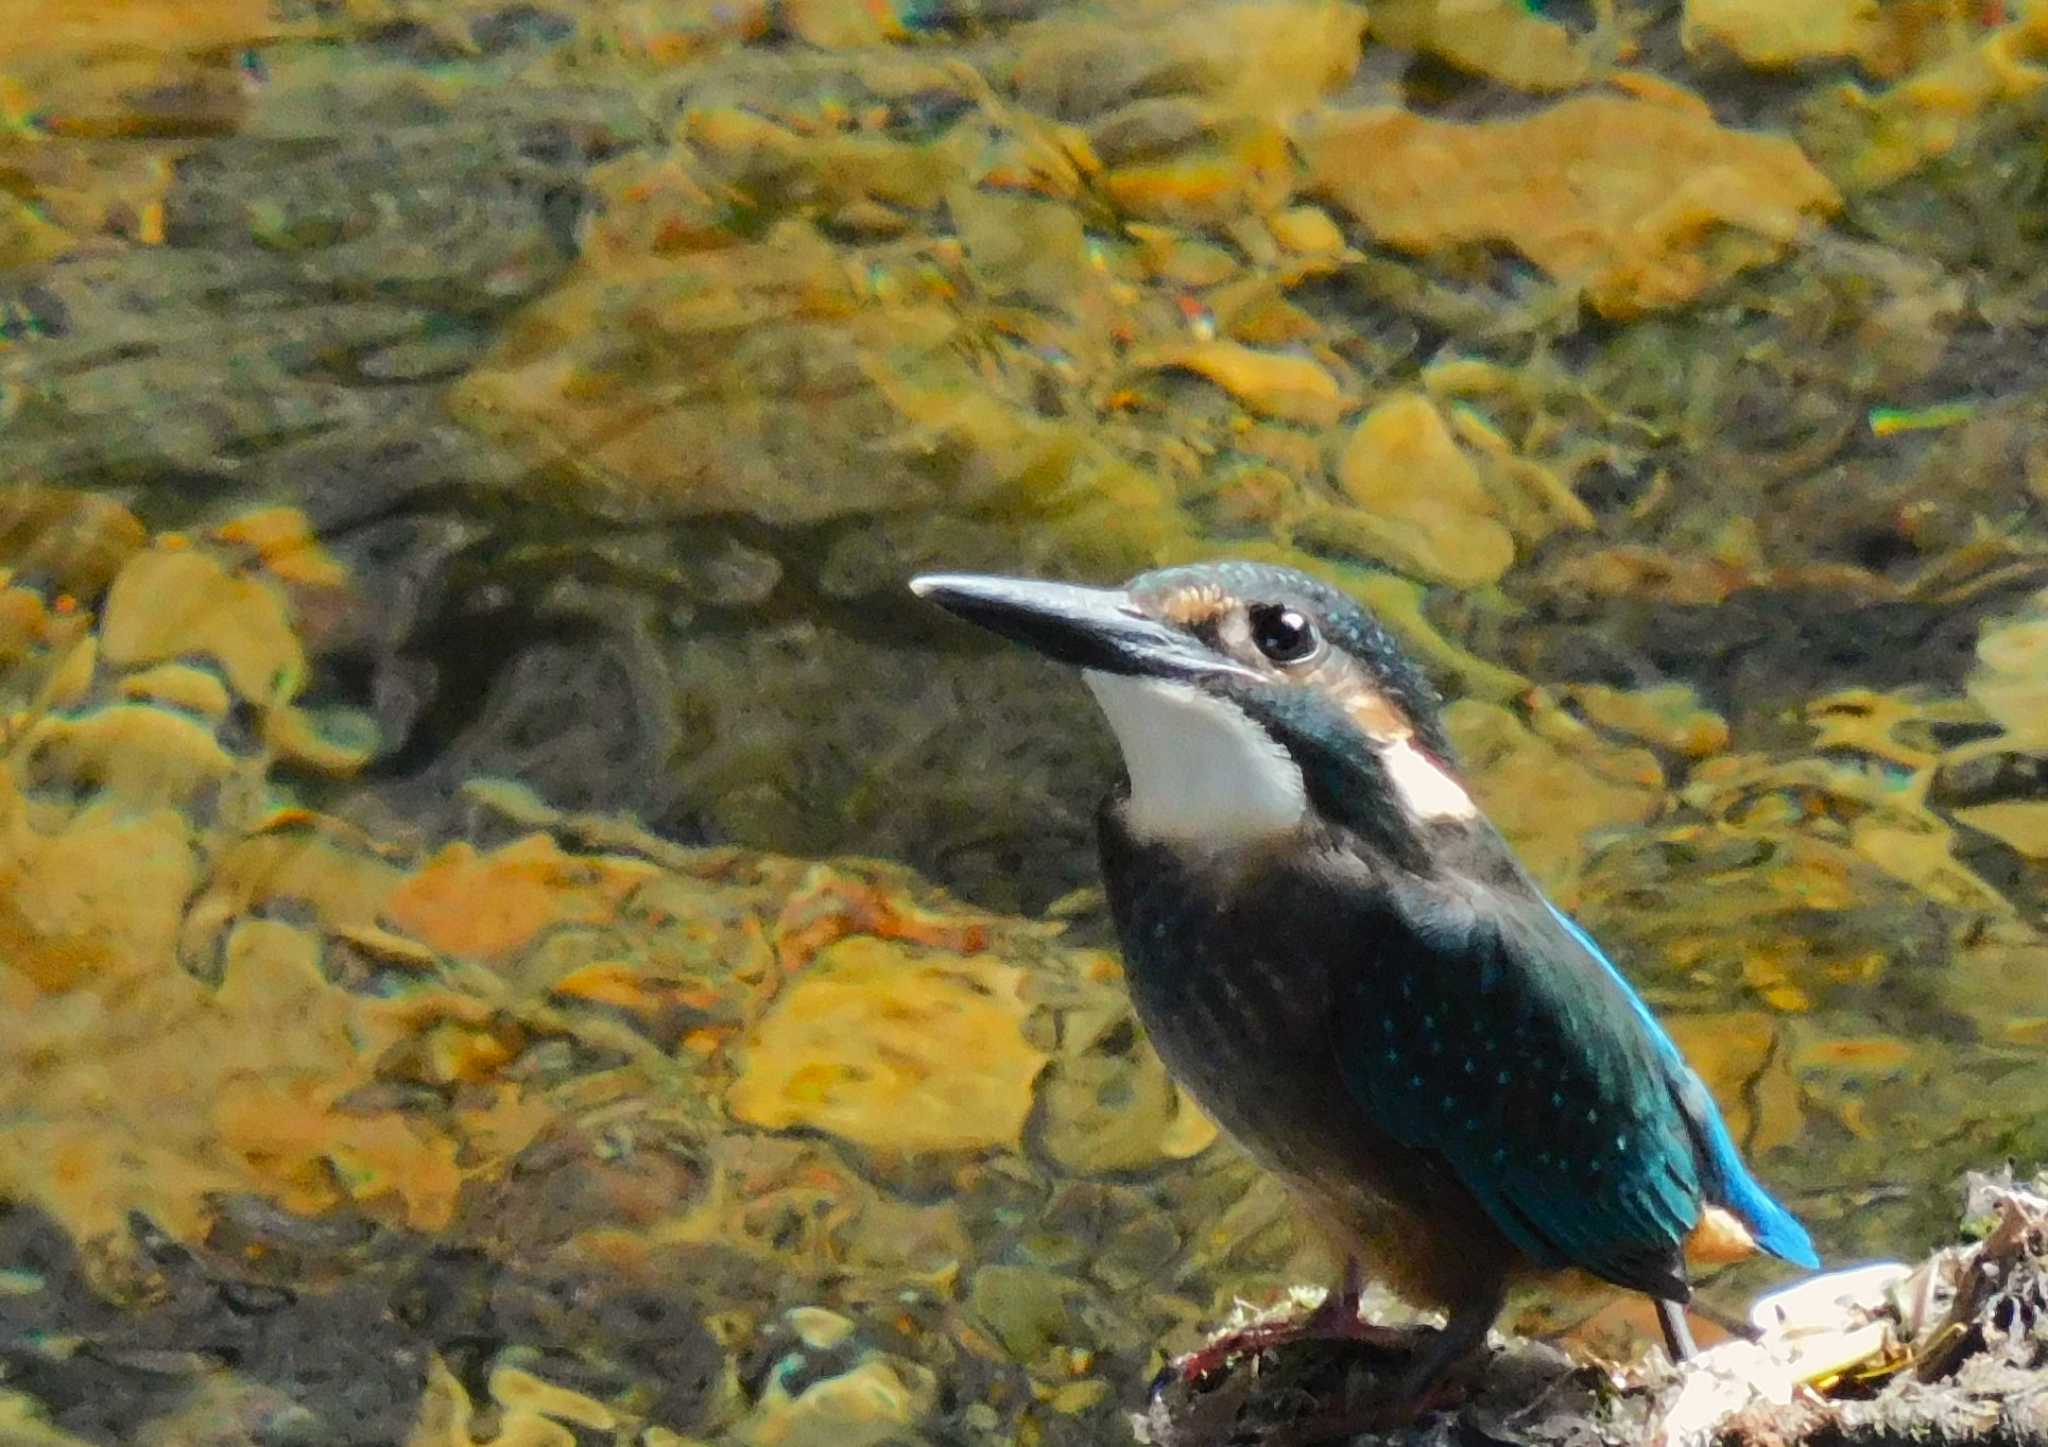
x=1343, y=961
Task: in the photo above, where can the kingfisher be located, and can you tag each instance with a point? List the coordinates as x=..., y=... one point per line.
x=1344, y=962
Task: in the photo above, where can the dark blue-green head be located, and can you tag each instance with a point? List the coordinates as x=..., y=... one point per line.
x=1248, y=699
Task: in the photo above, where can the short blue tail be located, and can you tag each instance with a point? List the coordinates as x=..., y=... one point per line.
x=1776, y=1229
x=1727, y=1180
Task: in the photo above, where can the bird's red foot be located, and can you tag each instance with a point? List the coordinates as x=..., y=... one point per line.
x=1336, y=1319
x=1442, y=1395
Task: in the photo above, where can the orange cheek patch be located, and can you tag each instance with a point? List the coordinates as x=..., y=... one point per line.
x=1377, y=714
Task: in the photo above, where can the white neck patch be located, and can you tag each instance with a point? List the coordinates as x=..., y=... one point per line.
x=1424, y=788
x=1201, y=771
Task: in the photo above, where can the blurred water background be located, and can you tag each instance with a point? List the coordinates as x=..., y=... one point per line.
x=514, y=927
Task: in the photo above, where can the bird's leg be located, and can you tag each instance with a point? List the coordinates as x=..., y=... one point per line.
x=1338, y=1312
x=1336, y=1318
x=1734, y=1325
x=1677, y=1335
x=1464, y=1333
x=1425, y=1387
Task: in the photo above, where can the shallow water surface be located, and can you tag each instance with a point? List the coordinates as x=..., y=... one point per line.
x=516, y=927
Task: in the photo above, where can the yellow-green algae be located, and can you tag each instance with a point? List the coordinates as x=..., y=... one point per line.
x=847, y=291
x=273, y=1004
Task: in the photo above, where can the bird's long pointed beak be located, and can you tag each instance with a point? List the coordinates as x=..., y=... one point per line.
x=1098, y=628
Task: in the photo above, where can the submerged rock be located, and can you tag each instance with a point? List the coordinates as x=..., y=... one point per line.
x=903, y=1055
x=1423, y=496
x=1500, y=39
x=1927, y=113
x=1642, y=200
x=1779, y=33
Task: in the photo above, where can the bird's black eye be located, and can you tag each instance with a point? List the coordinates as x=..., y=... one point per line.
x=1283, y=634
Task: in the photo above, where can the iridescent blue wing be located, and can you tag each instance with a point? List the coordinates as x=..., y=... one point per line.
x=1725, y=1179
x=1484, y=1028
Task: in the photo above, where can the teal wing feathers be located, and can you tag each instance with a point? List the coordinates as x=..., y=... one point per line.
x=1485, y=1030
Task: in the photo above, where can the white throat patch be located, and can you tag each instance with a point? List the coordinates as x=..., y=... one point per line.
x=1201, y=771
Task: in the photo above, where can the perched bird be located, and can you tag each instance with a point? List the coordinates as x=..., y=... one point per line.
x=1343, y=961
